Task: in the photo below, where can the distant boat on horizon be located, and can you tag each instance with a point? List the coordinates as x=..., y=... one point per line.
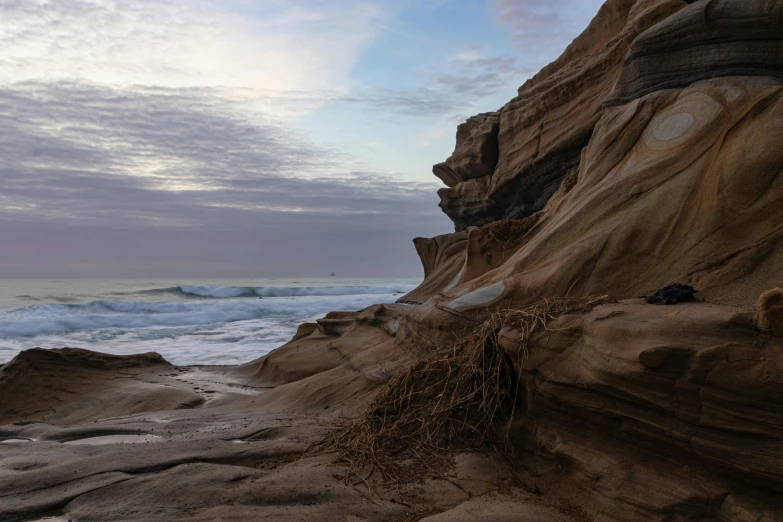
x=331, y=275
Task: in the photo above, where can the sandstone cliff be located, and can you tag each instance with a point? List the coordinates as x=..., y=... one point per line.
x=648, y=153
x=536, y=139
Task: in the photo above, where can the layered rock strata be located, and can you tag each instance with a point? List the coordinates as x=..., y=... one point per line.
x=542, y=131
x=627, y=412
x=674, y=185
x=656, y=413
x=477, y=156
x=724, y=37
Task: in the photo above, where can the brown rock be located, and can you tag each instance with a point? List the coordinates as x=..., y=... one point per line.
x=490, y=246
x=467, y=205
x=644, y=407
x=676, y=186
x=769, y=312
x=443, y=258
x=627, y=412
x=709, y=39
x=544, y=129
x=476, y=153
x=70, y=386
x=335, y=340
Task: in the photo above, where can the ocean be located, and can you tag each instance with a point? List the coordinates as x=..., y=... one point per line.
x=209, y=321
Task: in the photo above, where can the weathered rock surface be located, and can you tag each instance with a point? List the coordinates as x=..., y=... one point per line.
x=477, y=155
x=442, y=258
x=769, y=312
x=624, y=54
x=709, y=39
x=657, y=413
x=680, y=185
x=324, y=346
x=239, y=453
x=544, y=129
x=71, y=386
x=627, y=412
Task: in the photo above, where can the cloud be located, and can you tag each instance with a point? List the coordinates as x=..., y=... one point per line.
x=174, y=120
x=158, y=157
x=479, y=77
x=539, y=30
x=471, y=78
x=243, y=47
x=543, y=29
x=165, y=182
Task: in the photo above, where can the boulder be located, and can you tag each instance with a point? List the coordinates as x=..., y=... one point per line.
x=769, y=312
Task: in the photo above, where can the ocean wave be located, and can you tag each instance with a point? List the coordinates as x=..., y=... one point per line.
x=289, y=291
x=55, y=319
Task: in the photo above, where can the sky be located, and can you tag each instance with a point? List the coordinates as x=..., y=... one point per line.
x=246, y=138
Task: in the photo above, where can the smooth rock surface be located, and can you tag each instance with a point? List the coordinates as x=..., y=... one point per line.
x=631, y=49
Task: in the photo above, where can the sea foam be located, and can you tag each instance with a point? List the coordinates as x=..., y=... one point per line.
x=197, y=323
x=59, y=319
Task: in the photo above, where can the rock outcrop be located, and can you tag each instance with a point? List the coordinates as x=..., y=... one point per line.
x=633, y=411
x=543, y=130
x=769, y=312
x=442, y=258
x=709, y=39
x=676, y=184
x=72, y=386
x=679, y=185
x=477, y=155
x=616, y=60
x=647, y=154
x=656, y=413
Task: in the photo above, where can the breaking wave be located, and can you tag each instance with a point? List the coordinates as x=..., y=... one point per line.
x=202, y=322
x=126, y=315
x=285, y=291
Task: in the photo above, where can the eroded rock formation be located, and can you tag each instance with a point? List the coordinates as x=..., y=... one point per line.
x=71, y=386
x=769, y=312
x=657, y=413
x=477, y=155
x=442, y=258
x=679, y=185
x=543, y=130
x=676, y=184
x=722, y=37
x=665, y=120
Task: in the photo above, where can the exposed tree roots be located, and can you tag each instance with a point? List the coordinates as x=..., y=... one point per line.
x=459, y=398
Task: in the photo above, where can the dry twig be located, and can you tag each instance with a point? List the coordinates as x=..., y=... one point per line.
x=458, y=398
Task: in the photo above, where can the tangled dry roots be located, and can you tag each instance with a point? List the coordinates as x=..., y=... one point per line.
x=509, y=232
x=459, y=398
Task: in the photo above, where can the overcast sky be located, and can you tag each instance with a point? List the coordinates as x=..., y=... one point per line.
x=246, y=138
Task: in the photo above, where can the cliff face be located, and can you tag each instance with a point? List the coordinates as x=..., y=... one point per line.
x=679, y=185
x=540, y=134
x=648, y=153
